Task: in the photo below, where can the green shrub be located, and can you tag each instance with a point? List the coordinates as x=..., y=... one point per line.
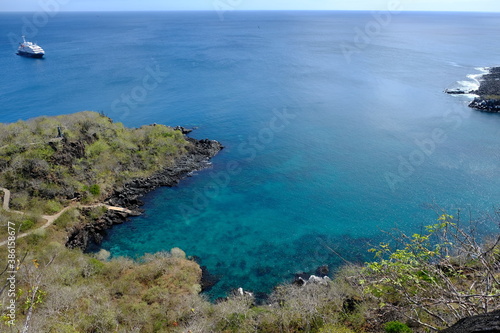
x=60, y=327
x=27, y=225
x=396, y=327
x=155, y=294
x=97, y=212
x=93, y=266
x=95, y=190
x=97, y=148
x=102, y=320
x=19, y=200
x=36, y=237
x=67, y=219
x=69, y=276
x=52, y=207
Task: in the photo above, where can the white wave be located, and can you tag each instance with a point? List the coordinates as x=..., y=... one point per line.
x=474, y=81
x=483, y=70
x=469, y=85
x=454, y=64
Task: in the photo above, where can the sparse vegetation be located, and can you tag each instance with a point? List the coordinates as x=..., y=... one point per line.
x=44, y=172
x=396, y=327
x=417, y=283
x=160, y=293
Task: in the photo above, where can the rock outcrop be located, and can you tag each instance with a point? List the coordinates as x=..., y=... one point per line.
x=183, y=129
x=488, y=92
x=485, y=104
x=302, y=279
x=483, y=323
x=196, y=159
x=82, y=235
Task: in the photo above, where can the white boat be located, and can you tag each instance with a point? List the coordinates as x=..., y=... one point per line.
x=29, y=49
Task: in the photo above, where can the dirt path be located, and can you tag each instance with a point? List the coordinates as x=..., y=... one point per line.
x=6, y=198
x=50, y=219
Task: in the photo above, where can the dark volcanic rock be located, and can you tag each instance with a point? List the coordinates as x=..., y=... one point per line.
x=456, y=92
x=69, y=152
x=488, y=91
x=208, y=281
x=486, y=104
x=183, y=129
x=489, y=83
x=82, y=235
x=322, y=271
x=300, y=279
x=484, y=323
x=349, y=305
x=196, y=159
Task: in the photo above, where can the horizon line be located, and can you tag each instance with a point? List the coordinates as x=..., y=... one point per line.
x=251, y=10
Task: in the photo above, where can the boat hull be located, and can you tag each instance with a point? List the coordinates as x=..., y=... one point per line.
x=30, y=55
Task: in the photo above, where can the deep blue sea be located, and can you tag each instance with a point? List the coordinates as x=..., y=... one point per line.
x=335, y=124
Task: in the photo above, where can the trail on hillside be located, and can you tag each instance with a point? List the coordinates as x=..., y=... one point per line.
x=50, y=219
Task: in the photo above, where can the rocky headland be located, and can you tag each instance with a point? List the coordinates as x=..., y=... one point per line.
x=128, y=196
x=488, y=99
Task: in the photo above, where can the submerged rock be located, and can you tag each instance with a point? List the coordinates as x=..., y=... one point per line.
x=322, y=271
x=208, y=280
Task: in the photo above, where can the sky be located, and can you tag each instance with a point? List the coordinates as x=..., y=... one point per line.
x=105, y=5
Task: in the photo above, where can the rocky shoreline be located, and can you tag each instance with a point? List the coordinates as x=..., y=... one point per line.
x=197, y=158
x=488, y=99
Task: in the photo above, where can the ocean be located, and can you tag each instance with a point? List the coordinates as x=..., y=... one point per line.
x=335, y=125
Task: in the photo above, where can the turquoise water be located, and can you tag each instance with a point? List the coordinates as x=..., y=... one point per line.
x=323, y=151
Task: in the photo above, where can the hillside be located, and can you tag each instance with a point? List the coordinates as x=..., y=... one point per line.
x=423, y=282
x=48, y=161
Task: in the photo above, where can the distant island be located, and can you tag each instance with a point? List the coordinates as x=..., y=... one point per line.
x=488, y=99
